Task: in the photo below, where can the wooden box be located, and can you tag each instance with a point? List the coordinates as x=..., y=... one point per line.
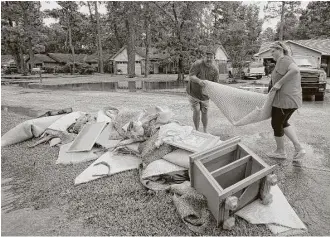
x=230, y=176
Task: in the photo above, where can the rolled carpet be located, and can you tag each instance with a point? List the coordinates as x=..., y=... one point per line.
x=239, y=106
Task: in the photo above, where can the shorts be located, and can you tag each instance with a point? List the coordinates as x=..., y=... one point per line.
x=280, y=118
x=195, y=103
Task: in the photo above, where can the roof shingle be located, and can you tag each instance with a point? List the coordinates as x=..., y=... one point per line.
x=320, y=45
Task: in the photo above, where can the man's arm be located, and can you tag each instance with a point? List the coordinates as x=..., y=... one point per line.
x=216, y=76
x=192, y=74
x=194, y=78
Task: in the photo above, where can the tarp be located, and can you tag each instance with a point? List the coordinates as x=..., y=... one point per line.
x=100, y=167
x=65, y=157
x=65, y=121
x=239, y=106
x=279, y=215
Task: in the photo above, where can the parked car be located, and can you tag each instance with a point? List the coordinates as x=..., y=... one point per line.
x=249, y=70
x=253, y=69
x=313, y=78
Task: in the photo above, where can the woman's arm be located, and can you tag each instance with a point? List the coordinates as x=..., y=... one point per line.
x=292, y=70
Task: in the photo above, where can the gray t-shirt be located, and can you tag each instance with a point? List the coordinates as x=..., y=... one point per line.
x=290, y=94
x=203, y=72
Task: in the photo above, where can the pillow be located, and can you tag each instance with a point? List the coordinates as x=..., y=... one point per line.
x=179, y=157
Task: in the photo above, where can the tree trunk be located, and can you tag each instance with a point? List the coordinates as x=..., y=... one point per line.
x=180, y=67
x=130, y=44
x=147, y=27
x=100, y=53
x=23, y=65
x=282, y=21
x=72, y=49
x=25, y=9
x=93, y=23
x=31, y=54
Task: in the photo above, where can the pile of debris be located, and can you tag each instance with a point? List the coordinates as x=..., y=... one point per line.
x=120, y=140
x=149, y=140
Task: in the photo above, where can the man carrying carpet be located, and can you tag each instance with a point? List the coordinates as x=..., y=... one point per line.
x=204, y=69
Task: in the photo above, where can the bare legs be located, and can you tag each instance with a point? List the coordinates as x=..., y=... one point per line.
x=280, y=151
x=197, y=117
x=279, y=145
x=291, y=134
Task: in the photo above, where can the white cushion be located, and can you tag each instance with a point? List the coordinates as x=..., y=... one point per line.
x=179, y=157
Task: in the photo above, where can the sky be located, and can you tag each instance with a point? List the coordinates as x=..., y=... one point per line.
x=102, y=9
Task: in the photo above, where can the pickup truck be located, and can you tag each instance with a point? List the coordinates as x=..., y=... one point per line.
x=254, y=69
x=313, y=78
x=249, y=70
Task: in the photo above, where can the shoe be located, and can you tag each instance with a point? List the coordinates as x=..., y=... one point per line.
x=277, y=155
x=299, y=154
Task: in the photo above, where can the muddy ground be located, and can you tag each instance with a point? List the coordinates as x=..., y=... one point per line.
x=305, y=184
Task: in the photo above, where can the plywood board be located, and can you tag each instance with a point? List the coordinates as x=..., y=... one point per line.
x=249, y=195
x=204, y=186
x=87, y=137
x=231, y=178
x=219, y=162
x=231, y=166
x=246, y=182
x=195, y=142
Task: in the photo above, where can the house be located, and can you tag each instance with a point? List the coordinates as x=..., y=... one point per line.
x=319, y=49
x=221, y=58
x=56, y=59
x=42, y=60
x=7, y=61
x=64, y=58
x=119, y=61
x=160, y=60
x=93, y=60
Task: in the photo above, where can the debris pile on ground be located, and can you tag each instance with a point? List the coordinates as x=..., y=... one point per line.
x=122, y=140
x=118, y=140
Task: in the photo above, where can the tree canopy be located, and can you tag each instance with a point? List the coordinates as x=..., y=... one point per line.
x=180, y=28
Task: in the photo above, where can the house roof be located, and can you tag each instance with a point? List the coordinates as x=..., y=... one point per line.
x=223, y=49
x=94, y=58
x=67, y=58
x=320, y=45
x=154, y=53
x=41, y=58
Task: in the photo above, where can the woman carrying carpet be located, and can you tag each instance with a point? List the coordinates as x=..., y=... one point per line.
x=286, y=81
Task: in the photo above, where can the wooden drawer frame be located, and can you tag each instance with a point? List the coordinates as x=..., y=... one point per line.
x=245, y=175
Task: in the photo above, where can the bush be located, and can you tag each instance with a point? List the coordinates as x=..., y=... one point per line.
x=49, y=70
x=85, y=69
x=10, y=70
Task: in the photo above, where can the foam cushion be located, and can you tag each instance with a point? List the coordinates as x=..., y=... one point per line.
x=179, y=157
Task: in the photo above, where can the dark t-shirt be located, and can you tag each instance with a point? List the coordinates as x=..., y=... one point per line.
x=203, y=72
